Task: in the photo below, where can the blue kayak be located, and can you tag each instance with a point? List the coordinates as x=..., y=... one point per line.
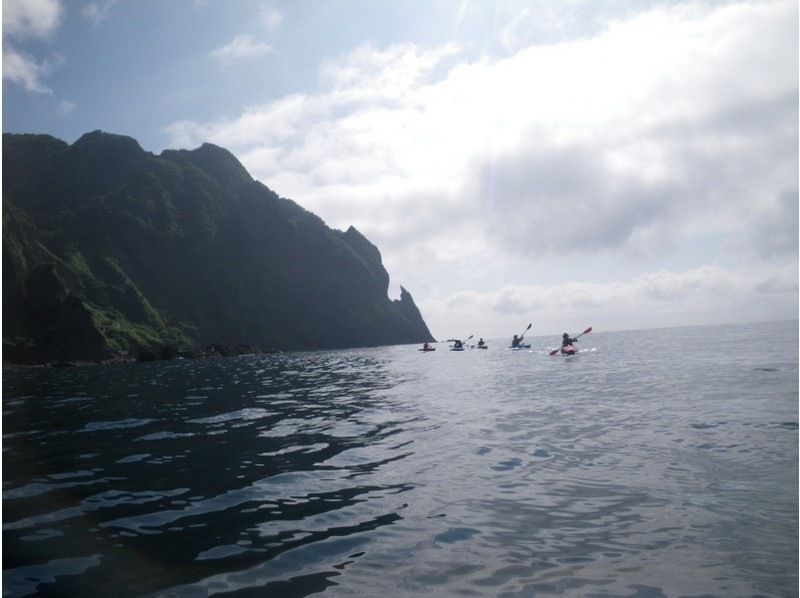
x=525, y=346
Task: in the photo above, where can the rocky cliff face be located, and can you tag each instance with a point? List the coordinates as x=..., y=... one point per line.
x=108, y=248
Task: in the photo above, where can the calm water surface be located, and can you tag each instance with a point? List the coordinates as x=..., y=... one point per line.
x=645, y=466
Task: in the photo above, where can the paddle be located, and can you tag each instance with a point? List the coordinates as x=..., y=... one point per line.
x=587, y=331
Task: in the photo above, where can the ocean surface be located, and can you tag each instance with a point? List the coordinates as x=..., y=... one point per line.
x=654, y=463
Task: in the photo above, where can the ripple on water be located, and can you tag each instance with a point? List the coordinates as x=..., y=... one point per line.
x=102, y=426
x=244, y=415
x=22, y=581
x=165, y=435
x=630, y=470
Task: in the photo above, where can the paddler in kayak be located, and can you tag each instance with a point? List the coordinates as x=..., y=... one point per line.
x=566, y=344
x=481, y=344
x=516, y=342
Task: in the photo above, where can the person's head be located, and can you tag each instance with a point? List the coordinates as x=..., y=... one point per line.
x=515, y=336
x=565, y=335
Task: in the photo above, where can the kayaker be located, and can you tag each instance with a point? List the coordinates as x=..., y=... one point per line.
x=481, y=343
x=516, y=341
x=425, y=346
x=566, y=344
x=457, y=344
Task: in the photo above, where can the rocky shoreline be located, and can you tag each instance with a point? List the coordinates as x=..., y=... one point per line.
x=166, y=353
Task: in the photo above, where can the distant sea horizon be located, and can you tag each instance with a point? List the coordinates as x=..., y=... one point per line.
x=595, y=328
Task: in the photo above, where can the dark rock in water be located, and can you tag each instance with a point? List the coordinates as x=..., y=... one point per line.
x=111, y=250
x=166, y=352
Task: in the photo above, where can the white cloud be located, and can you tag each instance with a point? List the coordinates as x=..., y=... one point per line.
x=241, y=47
x=98, y=11
x=666, y=127
x=23, y=70
x=531, y=26
x=24, y=20
x=65, y=107
x=246, y=46
x=632, y=135
x=650, y=300
x=31, y=18
x=271, y=18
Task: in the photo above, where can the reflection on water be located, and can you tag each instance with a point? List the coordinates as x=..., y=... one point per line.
x=632, y=469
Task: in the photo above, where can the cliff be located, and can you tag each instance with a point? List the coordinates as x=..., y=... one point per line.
x=108, y=249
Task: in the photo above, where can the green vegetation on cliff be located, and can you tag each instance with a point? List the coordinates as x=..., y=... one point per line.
x=110, y=249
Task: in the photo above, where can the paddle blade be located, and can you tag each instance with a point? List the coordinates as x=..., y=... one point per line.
x=587, y=331
x=554, y=351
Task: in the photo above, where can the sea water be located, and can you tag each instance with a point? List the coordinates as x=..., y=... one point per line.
x=654, y=463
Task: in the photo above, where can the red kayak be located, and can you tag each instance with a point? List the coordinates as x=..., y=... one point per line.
x=568, y=350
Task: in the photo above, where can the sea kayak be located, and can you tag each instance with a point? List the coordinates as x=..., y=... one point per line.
x=428, y=349
x=525, y=346
x=567, y=350
x=456, y=348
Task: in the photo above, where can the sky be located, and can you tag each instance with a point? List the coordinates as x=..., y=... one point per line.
x=566, y=163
